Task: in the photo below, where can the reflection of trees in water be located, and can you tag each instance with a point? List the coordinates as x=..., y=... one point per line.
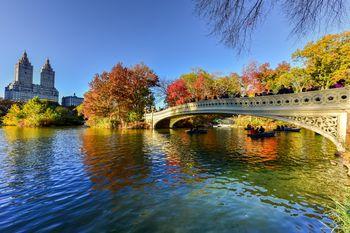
x=294, y=167
x=115, y=159
x=291, y=166
x=179, y=165
x=13, y=134
x=29, y=158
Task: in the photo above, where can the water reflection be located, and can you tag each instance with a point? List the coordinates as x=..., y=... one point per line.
x=271, y=167
x=15, y=133
x=299, y=162
x=29, y=156
x=159, y=181
x=115, y=159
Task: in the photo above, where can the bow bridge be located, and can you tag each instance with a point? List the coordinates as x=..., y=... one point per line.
x=324, y=112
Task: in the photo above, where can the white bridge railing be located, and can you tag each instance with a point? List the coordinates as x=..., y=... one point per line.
x=314, y=99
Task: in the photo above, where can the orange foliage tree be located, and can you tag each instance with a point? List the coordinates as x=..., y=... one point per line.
x=252, y=79
x=119, y=96
x=256, y=78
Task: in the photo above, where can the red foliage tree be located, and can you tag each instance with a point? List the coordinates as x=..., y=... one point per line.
x=252, y=79
x=177, y=93
x=200, y=87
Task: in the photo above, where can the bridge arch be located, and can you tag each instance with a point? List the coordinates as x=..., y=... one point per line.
x=176, y=119
x=324, y=112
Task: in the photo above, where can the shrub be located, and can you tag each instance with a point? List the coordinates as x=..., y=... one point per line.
x=38, y=113
x=98, y=122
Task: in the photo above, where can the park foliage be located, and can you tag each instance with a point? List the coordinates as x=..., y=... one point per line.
x=319, y=65
x=199, y=85
x=5, y=106
x=120, y=97
x=40, y=113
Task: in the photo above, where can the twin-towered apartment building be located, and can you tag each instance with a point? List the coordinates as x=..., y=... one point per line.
x=23, y=89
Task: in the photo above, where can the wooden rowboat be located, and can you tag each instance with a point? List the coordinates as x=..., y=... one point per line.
x=197, y=131
x=288, y=130
x=262, y=135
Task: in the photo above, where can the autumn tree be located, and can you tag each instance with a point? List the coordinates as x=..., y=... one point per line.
x=198, y=83
x=229, y=85
x=5, y=105
x=270, y=77
x=203, y=85
x=141, y=80
x=252, y=79
x=39, y=113
x=177, y=93
x=266, y=75
x=119, y=96
x=327, y=60
x=297, y=78
x=256, y=78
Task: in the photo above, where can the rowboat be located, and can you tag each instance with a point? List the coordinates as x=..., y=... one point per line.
x=262, y=135
x=197, y=131
x=288, y=130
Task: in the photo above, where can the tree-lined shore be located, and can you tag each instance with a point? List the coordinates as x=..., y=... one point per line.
x=120, y=97
x=319, y=65
x=39, y=113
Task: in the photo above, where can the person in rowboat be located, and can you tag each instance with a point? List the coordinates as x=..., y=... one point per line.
x=261, y=129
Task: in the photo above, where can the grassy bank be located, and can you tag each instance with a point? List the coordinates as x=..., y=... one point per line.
x=340, y=213
x=106, y=123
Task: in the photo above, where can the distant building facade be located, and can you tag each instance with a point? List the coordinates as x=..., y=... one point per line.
x=69, y=101
x=23, y=89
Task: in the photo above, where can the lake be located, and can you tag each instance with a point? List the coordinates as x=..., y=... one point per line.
x=86, y=180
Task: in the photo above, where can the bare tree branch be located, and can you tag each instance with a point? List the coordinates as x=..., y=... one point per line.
x=235, y=20
x=160, y=91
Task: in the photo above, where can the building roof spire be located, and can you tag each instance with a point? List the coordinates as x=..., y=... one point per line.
x=47, y=65
x=24, y=59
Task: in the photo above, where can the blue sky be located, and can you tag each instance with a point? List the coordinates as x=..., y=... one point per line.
x=84, y=37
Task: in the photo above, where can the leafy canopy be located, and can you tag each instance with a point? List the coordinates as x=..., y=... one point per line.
x=326, y=60
x=119, y=96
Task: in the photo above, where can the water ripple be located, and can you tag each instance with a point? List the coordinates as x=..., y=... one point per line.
x=72, y=180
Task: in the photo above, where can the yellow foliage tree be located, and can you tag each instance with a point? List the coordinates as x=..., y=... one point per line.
x=327, y=60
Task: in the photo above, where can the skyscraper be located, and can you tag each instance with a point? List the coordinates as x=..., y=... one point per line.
x=23, y=89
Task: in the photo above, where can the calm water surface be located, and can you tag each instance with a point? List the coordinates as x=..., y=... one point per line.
x=85, y=180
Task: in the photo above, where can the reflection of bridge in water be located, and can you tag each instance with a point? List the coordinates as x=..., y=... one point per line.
x=324, y=112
